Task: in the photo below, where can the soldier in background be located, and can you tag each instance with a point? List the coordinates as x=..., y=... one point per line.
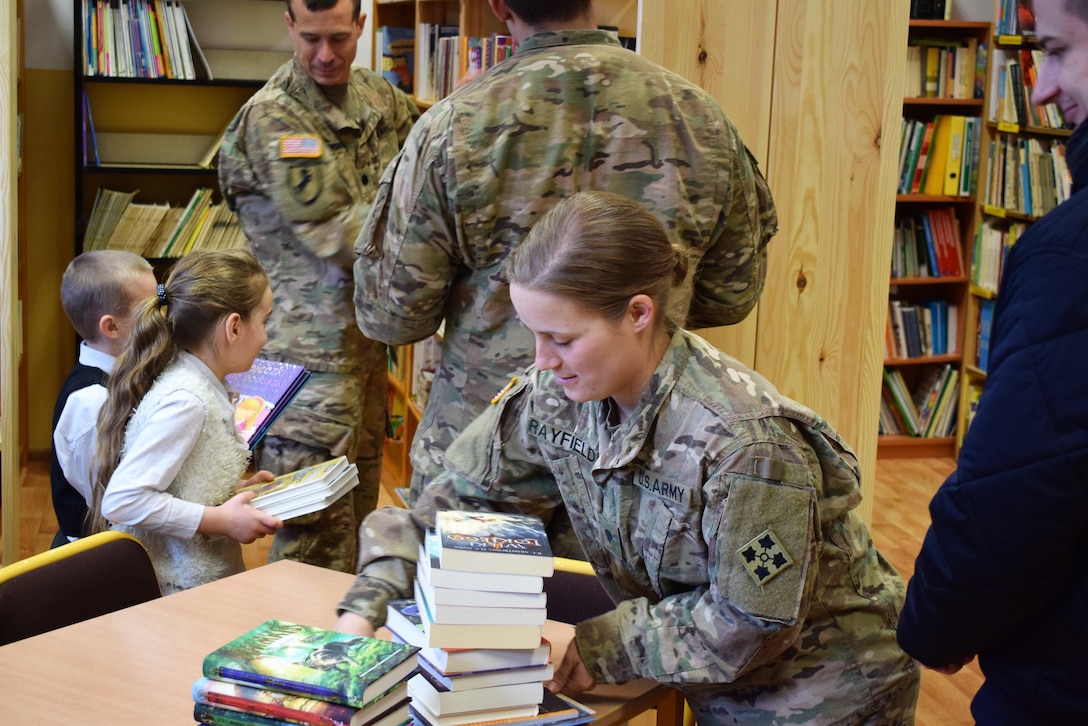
x=719, y=515
x=571, y=110
x=300, y=165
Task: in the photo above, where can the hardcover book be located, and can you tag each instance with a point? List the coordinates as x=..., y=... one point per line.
x=219, y=716
x=442, y=703
x=480, y=541
x=295, y=709
x=306, y=490
x=310, y=661
x=554, y=710
x=430, y=570
x=263, y=393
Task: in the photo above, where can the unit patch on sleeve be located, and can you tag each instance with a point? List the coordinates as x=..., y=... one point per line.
x=764, y=557
x=300, y=146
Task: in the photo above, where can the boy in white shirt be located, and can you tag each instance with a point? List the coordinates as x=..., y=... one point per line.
x=101, y=291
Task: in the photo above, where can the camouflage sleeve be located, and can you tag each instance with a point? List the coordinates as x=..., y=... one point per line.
x=309, y=193
x=747, y=616
x=730, y=276
x=409, y=251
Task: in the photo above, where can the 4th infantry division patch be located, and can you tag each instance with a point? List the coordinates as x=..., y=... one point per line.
x=764, y=557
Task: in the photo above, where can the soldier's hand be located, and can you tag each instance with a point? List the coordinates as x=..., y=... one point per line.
x=353, y=624
x=571, y=677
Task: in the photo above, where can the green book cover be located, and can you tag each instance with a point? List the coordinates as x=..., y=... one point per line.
x=310, y=661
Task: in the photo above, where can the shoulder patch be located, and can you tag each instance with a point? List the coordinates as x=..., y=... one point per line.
x=300, y=146
x=506, y=389
x=764, y=557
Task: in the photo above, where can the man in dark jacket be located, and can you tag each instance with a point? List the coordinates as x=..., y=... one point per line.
x=1003, y=571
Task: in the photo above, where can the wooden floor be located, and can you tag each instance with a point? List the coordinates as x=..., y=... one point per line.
x=903, y=490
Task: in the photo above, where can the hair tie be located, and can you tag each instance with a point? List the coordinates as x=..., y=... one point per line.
x=161, y=290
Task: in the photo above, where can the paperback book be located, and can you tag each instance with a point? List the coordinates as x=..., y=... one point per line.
x=486, y=679
x=296, y=709
x=442, y=702
x=480, y=541
x=307, y=490
x=427, y=634
x=264, y=391
x=554, y=710
x=431, y=571
x=310, y=661
x=484, y=612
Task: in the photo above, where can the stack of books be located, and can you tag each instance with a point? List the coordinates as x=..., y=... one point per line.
x=282, y=672
x=478, y=618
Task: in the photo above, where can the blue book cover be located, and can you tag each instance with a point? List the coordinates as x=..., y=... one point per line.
x=398, y=56
x=263, y=393
x=481, y=541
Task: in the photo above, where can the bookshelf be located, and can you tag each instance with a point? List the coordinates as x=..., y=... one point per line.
x=146, y=129
x=935, y=203
x=1022, y=177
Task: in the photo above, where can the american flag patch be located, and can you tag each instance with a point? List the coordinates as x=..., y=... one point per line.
x=307, y=146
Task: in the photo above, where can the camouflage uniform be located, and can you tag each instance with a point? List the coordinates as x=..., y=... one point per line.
x=719, y=517
x=568, y=112
x=302, y=174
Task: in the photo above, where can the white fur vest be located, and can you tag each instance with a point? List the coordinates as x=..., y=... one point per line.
x=208, y=476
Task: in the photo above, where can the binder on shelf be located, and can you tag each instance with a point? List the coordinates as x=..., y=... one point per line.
x=955, y=156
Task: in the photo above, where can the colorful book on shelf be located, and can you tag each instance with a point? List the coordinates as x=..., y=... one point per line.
x=264, y=391
x=398, y=50
x=553, y=710
x=295, y=709
x=432, y=572
x=443, y=703
x=307, y=490
x=938, y=155
x=315, y=662
x=482, y=541
x=955, y=156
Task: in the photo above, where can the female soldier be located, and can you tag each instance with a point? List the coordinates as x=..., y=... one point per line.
x=718, y=514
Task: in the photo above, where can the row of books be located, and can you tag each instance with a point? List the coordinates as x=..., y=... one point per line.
x=939, y=156
x=992, y=242
x=986, y=307
x=1014, y=18
x=140, y=39
x=160, y=230
x=281, y=672
x=1011, y=86
x=928, y=410
x=915, y=330
x=927, y=244
x=477, y=619
x=939, y=68
x=1027, y=175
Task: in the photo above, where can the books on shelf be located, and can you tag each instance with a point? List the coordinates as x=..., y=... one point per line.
x=264, y=392
x=307, y=490
x=140, y=39
x=483, y=541
x=926, y=410
x=398, y=51
x=243, y=699
x=314, y=662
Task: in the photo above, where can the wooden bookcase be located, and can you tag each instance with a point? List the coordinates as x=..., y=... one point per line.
x=1002, y=212
x=948, y=290
x=163, y=126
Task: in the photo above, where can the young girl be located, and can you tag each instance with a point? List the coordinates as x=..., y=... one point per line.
x=717, y=513
x=170, y=457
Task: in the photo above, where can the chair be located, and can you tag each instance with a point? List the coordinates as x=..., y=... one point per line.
x=574, y=592
x=77, y=581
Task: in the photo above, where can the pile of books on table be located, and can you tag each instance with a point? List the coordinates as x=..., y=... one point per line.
x=478, y=618
x=282, y=672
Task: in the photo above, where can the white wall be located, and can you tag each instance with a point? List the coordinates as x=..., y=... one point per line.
x=49, y=27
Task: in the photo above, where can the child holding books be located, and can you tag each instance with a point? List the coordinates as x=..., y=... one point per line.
x=718, y=514
x=170, y=457
x=100, y=292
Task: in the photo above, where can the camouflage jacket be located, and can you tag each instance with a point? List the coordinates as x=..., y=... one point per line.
x=720, y=517
x=569, y=111
x=302, y=174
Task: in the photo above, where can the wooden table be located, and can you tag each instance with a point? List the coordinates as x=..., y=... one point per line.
x=137, y=666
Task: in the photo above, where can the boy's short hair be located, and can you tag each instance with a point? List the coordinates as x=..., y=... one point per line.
x=97, y=283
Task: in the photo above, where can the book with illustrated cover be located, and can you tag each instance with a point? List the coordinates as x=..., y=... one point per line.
x=554, y=710
x=310, y=489
x=294, y=709
x=310, y=661
x=443, y=703
x=430, y=571
x=263, y=393
x=218, y=716
x=480, y=541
